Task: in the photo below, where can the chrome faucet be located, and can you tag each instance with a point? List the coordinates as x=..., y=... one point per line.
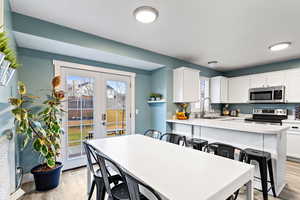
x=203, y=112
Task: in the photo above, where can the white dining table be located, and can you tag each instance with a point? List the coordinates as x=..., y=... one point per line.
x=177, y=172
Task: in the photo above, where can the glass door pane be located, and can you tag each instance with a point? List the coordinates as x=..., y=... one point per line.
x=80, y=109
x=116, y=107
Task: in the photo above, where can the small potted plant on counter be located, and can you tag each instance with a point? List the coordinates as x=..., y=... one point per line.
x=44, y=129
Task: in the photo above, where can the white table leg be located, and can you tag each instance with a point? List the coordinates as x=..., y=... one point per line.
x=250, y=193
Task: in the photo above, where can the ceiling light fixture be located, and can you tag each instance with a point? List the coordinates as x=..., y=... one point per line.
x=145, y=14
x=280, y=46
x=212, y=64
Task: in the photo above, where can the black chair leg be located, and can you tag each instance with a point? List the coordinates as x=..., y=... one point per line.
x=92, y=189
x=264, y=178
x=236, y=194
x=270, y=167
x=100, y=189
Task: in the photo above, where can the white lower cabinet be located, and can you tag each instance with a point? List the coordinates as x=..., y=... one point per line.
x=293, y=139
x=293, y=145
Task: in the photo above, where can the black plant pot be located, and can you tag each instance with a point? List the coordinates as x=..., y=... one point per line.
x=46, y=180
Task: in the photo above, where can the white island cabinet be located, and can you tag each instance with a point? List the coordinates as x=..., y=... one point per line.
x=186, y=83
x=269, y=138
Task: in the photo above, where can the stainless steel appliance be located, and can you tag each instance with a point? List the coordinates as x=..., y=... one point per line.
x=267, y=94
x=268, y=116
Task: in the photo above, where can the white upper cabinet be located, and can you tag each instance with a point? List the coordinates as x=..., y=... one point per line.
x=238, y=88
x=186, y=83
x=219, y=89
x=276, y=78
x=268, y=79
x=258, y=80
x=292, y=86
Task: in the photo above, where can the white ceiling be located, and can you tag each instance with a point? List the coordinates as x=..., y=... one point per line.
x=236, y=33
x=47, y=45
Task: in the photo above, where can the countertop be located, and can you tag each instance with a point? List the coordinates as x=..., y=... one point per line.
x=237, y=124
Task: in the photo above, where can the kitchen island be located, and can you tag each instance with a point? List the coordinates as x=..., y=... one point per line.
x=238, y=133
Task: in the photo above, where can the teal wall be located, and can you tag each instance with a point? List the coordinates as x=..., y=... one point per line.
x=290, y=64
x=247, y=108
x=37, y=72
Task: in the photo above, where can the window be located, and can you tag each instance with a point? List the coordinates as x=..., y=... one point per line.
x=204, y=93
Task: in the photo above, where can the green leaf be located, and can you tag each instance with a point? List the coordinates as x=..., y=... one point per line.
x=26, y=141
x=44, y=150
x=55, y=128
x=47, y=111
x=37, y=144
x=51, y=162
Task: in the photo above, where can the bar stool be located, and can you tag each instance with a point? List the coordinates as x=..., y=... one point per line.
x=197, y=143
x=265, y=163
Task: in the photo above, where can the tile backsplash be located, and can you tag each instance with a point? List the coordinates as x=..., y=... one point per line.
x=247, y=108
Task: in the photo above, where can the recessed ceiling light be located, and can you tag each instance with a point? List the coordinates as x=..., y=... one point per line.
x=145, y=14
x=280, y=46
x=212, y=63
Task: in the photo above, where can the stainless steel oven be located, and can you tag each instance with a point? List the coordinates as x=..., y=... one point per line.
x=267, y=95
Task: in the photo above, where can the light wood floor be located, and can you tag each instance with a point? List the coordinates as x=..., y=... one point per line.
x=73, y=187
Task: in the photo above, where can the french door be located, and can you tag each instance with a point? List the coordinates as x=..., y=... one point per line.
x=97, y=105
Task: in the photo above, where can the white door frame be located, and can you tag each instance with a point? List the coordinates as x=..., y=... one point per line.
x=57, y=71
x=58, y=65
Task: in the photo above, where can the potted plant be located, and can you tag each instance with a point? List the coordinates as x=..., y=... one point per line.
x=44, y=130
x=158, y=97
x=8, y=60
x=152, y=97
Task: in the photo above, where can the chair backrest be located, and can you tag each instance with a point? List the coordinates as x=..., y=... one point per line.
x=103, y=161
x=225, y=150
x=134, y=189
x=174, y=138
x=90, y=155
x=153, y=133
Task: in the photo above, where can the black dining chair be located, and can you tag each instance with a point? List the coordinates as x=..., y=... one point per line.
x=174, y=138
x=97, y=175
x=153, y=133
x=134, y=186
x=227, y=151
x=128, y=189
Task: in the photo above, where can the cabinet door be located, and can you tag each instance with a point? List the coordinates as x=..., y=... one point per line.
x=238, y=88
x=224, y=90
x=276, y=78
x=215, y=90
x=293, y=141
x=258, y=80
x=292, y=86
x=191, y=89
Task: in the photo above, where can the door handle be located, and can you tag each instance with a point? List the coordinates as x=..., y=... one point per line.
x=7, y=134
x=103, y=119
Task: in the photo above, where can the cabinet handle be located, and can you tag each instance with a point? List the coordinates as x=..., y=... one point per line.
x=295, y=127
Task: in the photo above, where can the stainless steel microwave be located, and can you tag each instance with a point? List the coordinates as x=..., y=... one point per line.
x=267, y=94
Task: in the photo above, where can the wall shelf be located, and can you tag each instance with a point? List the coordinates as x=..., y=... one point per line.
x=160, y=101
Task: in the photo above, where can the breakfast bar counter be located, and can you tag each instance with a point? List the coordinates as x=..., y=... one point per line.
x=238, y=133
